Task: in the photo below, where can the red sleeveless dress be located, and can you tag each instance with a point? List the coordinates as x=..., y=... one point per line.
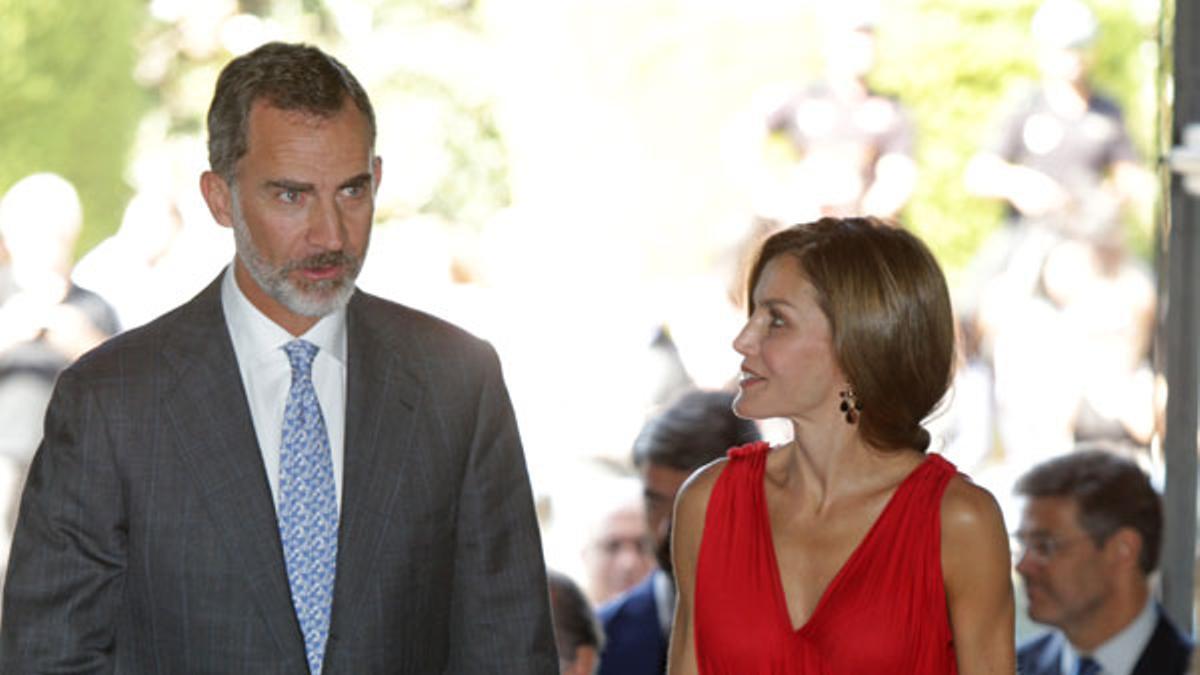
x=884, y=612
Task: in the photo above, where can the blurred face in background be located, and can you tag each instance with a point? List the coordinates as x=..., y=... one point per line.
x=660, y=484
x=850, y=54
x=619, y=554
x=1066, y=64
x=1068, y=579
x=40, y=220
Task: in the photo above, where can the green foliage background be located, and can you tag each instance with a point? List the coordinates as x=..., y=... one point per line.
x=957, y=63
x=69, y=103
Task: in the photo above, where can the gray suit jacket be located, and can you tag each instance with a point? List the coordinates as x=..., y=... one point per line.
x=147, y=540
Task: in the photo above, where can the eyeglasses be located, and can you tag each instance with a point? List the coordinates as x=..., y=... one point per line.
x=1041, y=547
x=613, y=546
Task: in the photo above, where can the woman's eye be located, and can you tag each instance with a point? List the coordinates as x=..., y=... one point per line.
x=776, y=321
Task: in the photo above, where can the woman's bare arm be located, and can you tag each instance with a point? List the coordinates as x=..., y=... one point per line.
x=976, y=566
x=686, y=530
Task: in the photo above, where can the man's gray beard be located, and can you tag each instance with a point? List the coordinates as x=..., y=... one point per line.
x=310, y=298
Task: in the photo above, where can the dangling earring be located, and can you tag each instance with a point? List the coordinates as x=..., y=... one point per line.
x=850, y=405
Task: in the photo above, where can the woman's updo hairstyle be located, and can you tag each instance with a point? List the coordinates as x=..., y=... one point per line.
x=889, y=312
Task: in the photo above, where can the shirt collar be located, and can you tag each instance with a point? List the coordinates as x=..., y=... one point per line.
x=664, y=600
x=258, y=338
x=1120, y=653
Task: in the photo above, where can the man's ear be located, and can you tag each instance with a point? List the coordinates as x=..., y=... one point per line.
x=219, y=197
x=1125, y=546
x=377, y=169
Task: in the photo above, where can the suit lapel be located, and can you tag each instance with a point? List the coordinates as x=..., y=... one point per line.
x=207, y=408
x=1164, y=653
x=382, y=396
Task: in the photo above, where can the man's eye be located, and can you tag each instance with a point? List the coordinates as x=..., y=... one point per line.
x=289, y=196
x=776, y=321
x=352, y=190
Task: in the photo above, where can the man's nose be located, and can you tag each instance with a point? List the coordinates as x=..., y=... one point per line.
x=326, y=230
x=1025, y=563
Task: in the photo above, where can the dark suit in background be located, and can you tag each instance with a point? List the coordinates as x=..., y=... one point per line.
x=634, y=641
x=695, y=428
x=1166, y=654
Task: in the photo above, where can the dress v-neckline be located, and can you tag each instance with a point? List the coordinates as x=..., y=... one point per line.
x=847, y=566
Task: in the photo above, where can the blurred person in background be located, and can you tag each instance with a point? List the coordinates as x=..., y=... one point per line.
x=821, y=555
x=852, y=146
x=618, y=552
x=40, y=221
x=693, y=430
x=46, y=321
x=1072, y=358
x=1107, y=300
x=963, y=429
x=1089, y=539
x=576, y=632
x=127, y=267
x=1061, y=157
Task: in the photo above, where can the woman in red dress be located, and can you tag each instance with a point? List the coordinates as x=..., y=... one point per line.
x=849, y=549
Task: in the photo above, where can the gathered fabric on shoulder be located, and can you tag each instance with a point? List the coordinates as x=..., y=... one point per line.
x=884, y=612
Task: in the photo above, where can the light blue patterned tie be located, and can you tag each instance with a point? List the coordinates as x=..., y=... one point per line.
x=308, y=517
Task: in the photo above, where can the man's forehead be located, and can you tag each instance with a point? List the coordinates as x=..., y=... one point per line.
x=1049, y=513
x=332, y=144
x=654, y=471
x=264, y=111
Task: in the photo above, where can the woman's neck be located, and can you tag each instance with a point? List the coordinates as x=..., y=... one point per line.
x=828, y=462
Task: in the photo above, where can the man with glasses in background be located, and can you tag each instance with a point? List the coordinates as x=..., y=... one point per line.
x=1089, y=539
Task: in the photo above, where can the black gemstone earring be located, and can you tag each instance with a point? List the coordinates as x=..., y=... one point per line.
x=850, y=405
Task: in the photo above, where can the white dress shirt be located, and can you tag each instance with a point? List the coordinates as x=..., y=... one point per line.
x=664, y=601
x=1121, y=652
x=267, y=375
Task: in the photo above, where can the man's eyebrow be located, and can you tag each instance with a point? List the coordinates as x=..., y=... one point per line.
x=360, y=180
x=285, y=184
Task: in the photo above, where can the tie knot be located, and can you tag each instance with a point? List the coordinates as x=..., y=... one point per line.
x=301, y=353
x=1087, y=666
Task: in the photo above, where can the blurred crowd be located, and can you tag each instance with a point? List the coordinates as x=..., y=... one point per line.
x=1056, y=316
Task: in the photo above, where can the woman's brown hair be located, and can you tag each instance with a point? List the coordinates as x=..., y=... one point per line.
x=889, y=311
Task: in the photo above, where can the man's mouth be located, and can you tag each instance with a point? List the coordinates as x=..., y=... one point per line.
x=324, y=266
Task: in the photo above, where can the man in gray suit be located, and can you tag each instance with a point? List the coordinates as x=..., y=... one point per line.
x=285, y=474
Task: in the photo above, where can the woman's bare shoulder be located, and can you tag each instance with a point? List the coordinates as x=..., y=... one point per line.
x=699, y=486
x=692, y=502
x=970, y=517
